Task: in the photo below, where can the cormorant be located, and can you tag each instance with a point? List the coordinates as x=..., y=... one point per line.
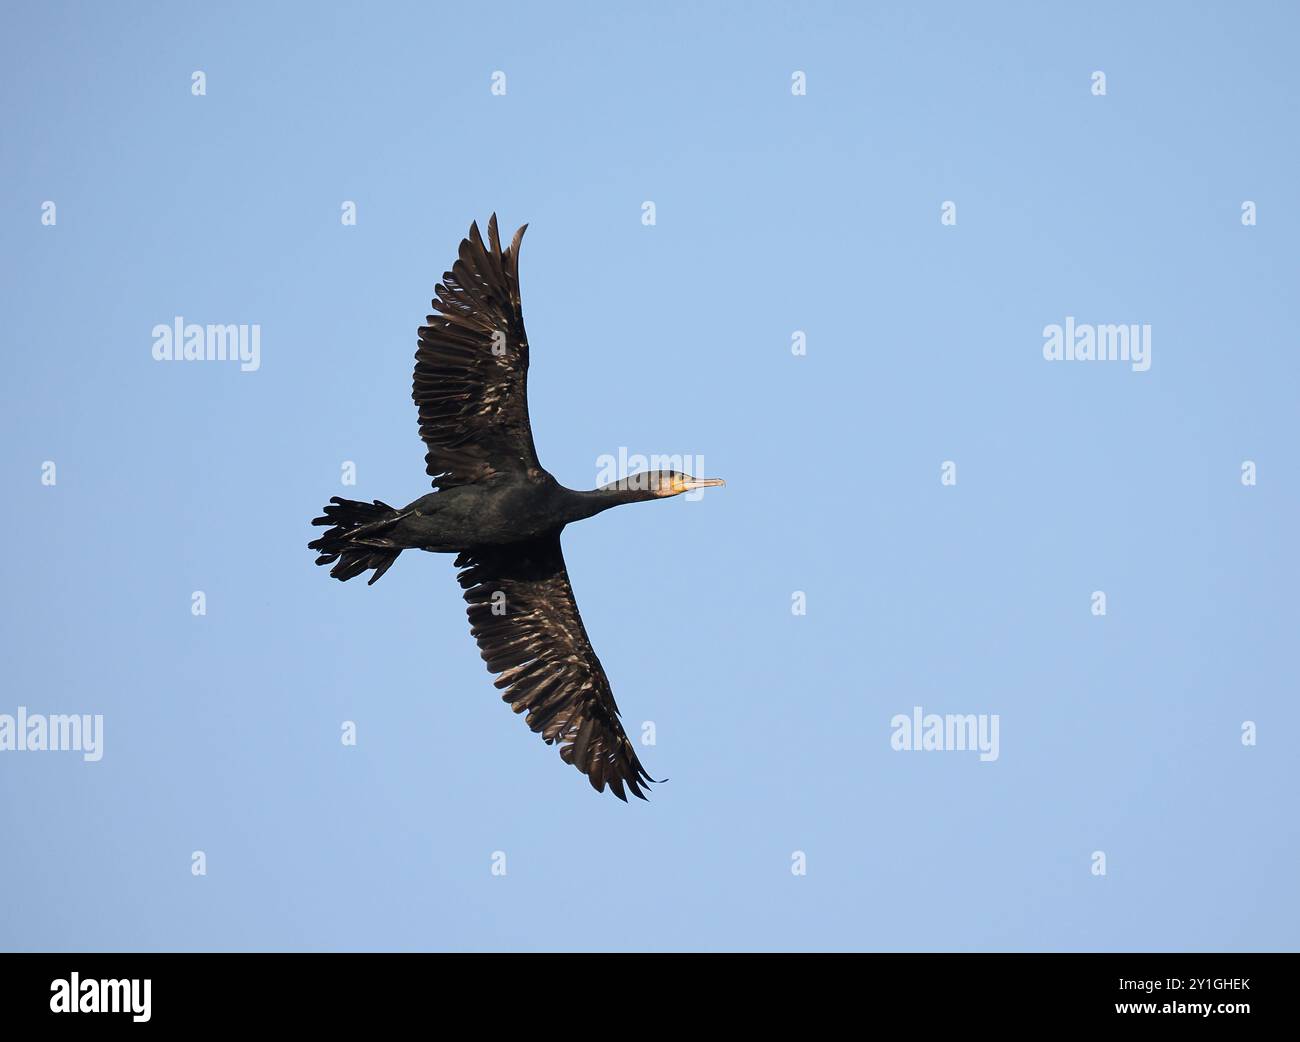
x=501, y=513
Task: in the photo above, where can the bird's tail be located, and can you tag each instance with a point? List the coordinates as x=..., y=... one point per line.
x=359, y=538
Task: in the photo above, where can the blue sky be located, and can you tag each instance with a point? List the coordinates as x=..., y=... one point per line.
x=775, y=213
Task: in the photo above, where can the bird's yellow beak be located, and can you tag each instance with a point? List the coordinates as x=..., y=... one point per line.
x=691, y=484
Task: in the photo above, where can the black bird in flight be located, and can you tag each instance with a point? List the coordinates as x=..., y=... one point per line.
x=498, y=509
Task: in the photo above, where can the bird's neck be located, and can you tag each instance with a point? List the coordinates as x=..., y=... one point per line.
x=591, y=502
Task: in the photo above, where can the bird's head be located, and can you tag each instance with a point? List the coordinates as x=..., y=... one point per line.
x=661, y=484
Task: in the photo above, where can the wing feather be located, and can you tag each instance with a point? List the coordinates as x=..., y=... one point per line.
x=523, y=614
x=471, y=368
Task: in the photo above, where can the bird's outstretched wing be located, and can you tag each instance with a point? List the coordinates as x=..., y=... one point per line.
x=523, y=615
x=471, y=368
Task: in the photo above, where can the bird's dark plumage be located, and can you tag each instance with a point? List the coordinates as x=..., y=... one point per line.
x=497, y=508
x=547, y=665
x=471, y=369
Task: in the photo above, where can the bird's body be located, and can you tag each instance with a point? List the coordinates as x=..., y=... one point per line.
x=501, y=512
x=495, y=514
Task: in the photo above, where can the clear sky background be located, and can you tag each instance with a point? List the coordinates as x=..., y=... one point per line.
x=775, y=213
